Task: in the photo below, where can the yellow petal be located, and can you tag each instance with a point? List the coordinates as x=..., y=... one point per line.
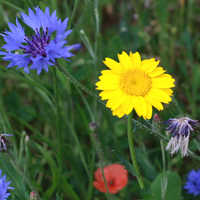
x=149, y=111
x=113, y=65
x=158, y=71
x=125, y=60
x=162, y=82
x=149, y=65
x=109, y=77
x=137, y=106
x=116, y=101
x=154, y=102
x=164, y=76
x=143, y=105
x=159, y=95
x=107, y=85
x=168, y=91
x=136, y=59
x=107, y=94
x=108, y=72
x=119, y=112
x=127, y=105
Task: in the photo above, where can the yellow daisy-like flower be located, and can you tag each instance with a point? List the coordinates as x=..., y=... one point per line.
x=134, y=84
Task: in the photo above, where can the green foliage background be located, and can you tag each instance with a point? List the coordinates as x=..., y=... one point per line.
x=164, y=29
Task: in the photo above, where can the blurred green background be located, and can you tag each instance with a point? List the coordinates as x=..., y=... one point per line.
x=165, y=29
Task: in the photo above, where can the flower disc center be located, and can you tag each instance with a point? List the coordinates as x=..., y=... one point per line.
x=37, y=43
x=135, y=82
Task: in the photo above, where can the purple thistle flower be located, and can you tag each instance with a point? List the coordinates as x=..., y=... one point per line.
x=193, y=182
x=181, y=134
x=39, y=50
x=4, y=186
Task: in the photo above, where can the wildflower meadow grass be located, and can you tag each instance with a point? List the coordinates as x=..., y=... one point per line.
x=99, y=100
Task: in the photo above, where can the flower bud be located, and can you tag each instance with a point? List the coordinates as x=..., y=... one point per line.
x=27, y=139
x=157, y=121
x=33, y=196
x=93, y=126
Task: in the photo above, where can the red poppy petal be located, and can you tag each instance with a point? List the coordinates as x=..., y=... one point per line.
x=116, y=178
x=99, y=185
x=120, y=184
x=98, y=175
x=112, y=189
x=117, y=171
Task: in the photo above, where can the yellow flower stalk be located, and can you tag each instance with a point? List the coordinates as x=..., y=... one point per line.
x=134, y=84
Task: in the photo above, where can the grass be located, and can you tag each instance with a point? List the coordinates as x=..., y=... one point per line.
x=163, y=29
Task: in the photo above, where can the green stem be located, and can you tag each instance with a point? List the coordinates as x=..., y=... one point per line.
x=12, y=161
x=132, y=151
x=58, y=121
x=73, y=80
x=164, y=177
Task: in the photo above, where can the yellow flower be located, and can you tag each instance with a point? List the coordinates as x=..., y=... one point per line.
x=134, y=84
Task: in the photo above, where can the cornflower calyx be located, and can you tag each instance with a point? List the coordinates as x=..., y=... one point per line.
x=181, y=134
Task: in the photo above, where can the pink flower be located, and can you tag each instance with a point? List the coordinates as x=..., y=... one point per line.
x=116, y=178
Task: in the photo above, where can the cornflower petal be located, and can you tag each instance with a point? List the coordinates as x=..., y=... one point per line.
x=4, y=187
x=193, y=182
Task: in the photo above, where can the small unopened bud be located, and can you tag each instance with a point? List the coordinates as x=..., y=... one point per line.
x=93, y=126
x=33, y=196
x=27, y=139
x=23, y=133
x=157, y=121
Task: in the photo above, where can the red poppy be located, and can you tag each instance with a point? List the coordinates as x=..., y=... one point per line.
x=116, y=178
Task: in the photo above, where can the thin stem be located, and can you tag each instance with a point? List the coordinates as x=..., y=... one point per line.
x=12, y=161
x=73, y=80
x=132, y=151
x=164, y=178
x=58, y=122
x=98, y=149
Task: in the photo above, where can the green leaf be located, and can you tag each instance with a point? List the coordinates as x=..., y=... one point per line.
x=124, y=162
x=146, y=195
x=173, y=190
x=26, y=4
x=12, y=5
x=58, y=198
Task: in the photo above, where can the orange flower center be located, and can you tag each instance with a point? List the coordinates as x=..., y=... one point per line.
x=135, y=82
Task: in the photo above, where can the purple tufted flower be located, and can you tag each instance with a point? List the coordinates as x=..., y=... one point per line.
x=4, y=186
x=180, y=128
x=4, y=140
x=40, y=49
x=193, y=182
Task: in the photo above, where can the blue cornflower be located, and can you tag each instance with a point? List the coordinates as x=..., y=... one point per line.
x=181, y=134
x=193, y=182
x=39, y=50
x=4, y=193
